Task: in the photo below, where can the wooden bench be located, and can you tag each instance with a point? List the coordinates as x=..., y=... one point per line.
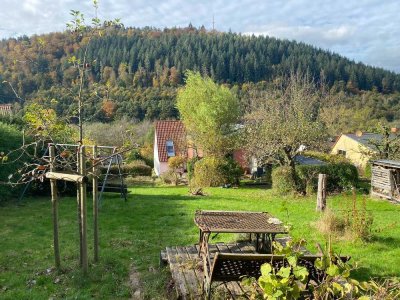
x=225, y=267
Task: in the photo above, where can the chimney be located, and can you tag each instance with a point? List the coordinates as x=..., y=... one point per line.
x=394, y=130
x=359, y=133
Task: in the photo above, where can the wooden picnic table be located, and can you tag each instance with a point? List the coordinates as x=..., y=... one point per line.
x=262, y=224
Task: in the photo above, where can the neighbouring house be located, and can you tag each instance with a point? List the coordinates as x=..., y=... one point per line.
x=170, y=139
x=357, y=147
x=5, y=109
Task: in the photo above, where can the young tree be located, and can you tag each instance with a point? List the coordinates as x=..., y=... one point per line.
x=280, y=122
x=210, y=113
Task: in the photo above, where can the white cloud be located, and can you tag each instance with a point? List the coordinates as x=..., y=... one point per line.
x=319, y=36
x=31, y=6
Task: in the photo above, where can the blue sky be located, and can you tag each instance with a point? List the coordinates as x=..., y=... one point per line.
x=363, y=30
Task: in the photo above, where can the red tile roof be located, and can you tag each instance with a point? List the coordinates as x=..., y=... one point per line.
x=173, y=131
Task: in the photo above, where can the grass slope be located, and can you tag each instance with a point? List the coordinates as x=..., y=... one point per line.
x=136, y=231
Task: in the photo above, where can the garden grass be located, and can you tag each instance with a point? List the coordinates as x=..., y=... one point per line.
x=134, y=233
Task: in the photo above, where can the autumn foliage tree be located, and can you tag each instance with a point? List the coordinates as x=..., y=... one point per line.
x=281, y=122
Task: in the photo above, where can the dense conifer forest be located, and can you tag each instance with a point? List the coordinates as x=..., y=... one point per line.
x=135, y=73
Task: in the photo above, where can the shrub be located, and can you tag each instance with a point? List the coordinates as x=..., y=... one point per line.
x=169, y=177
x=213, y=171
x=368, y=170
x=340, y=176
x=232, y=171
x=282, y=180
x=134, y=168
x=207, y=172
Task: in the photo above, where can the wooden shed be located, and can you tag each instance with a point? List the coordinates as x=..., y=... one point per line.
x=385, y=179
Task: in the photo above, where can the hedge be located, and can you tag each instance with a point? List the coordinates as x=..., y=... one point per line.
x=282, y=180
x=134, y=168
x=340, y=176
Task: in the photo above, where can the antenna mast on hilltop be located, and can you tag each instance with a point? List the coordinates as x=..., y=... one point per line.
x=213, y=23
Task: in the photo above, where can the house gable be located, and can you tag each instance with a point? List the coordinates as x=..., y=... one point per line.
x=167, y=133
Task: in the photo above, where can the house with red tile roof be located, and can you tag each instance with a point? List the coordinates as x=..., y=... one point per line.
x=170, y=139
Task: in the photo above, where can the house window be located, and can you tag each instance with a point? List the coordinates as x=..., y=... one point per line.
x=342, y=152
x=170, y=148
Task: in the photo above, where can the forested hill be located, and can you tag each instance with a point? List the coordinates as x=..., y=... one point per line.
x=144, y=66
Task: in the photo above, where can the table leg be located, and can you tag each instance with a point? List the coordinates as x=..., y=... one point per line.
x=200, y=241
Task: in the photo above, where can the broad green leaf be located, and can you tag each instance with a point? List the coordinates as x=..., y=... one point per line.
x=292, y=260
x=284, y=272
x=333, y=270
x=300, y=273
x=319, y=264
x=266, y=269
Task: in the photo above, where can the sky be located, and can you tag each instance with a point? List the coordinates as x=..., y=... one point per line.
x=362, y=30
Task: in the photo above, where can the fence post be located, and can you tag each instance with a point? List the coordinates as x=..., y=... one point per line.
x=321, y=195
x=54, y=202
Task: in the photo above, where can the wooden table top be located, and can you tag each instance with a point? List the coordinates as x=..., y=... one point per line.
x=237, y=222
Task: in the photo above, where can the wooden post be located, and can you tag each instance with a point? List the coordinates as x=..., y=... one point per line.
x=54, y=202
x=78, y=204
x=82, y=167
x=321, y=195
x=95, y=206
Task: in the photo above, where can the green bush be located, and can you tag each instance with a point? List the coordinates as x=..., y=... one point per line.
x=134, y=168
x=169, y=177
x=340, y=176
x=282, y=180
x=213, y=171
x=368, y=170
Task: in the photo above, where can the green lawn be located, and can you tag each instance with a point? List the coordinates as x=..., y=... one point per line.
x=133, y=233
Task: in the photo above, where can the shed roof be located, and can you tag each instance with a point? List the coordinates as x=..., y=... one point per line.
x=387, y=163
x=169, y=131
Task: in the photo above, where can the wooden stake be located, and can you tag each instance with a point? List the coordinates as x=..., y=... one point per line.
x=82, y=166
x=95, y=207
x=321, y=195
x=78, y=202
x=54, y=202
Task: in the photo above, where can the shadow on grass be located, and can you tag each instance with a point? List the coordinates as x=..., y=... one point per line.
x=387, y=241
x=158, y=197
